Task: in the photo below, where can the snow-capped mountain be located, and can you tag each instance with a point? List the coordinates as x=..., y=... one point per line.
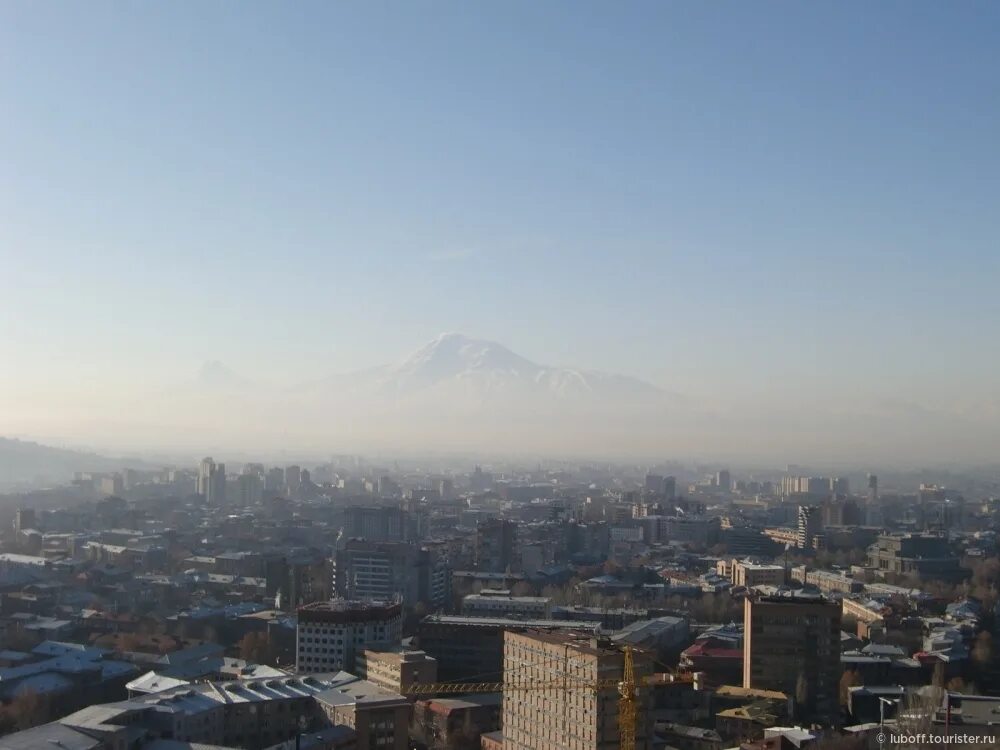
x=453, y=393
x=459, y=366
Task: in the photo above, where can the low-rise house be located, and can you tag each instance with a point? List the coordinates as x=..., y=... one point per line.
x=455, y=723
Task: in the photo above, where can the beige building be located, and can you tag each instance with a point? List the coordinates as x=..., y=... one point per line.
x=860, y=610
x=395, y=670
x=569, y=715
x=792, y=644
x=752, y=574
x=826, y=581
x=783, y=535
x=379, y=718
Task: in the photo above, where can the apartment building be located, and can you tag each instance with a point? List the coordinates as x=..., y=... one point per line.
x=574, y=718
x=748, y=574
x=397, y=669
x=791, y=644
x=379, y=718
x=500, y=603
x=331, y=635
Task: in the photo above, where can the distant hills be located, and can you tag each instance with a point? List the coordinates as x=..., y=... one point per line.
x=24, y=462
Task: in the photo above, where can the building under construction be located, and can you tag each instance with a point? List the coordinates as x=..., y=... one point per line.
x=569, y=713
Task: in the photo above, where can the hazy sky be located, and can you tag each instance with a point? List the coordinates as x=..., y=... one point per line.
x=743, y=202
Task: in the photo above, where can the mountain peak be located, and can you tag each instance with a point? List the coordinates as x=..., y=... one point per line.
x=215, y=373
x=455, y=369
x=452, y=354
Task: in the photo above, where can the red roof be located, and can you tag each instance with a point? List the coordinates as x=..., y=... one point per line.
x=704, y=649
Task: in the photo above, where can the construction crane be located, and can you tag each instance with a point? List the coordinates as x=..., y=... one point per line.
x=627, y=703
x=627, y=687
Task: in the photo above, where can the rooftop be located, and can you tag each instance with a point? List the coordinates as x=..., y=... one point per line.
x=735, y=691
x=506, y=622
x=354, y=691
x=47, y=736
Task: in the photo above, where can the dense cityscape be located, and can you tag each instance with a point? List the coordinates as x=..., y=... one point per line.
x=351, y=604
x=512, y=375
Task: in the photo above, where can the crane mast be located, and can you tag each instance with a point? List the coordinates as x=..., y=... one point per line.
x=627, y=703
x=628, y=688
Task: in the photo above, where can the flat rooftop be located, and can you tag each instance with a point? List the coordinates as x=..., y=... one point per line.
x=510, y=622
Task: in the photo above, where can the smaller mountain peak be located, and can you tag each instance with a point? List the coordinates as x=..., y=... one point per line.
x=215, y=372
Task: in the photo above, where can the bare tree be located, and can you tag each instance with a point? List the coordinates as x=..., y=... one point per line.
x=982, y=650
x=850, y=678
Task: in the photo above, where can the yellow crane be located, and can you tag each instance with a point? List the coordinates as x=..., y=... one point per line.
x=627, y=687
x=627, y=713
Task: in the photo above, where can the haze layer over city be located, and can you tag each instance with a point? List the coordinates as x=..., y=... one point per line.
x=562, y=229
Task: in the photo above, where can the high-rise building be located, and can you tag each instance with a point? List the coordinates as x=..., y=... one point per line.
x=377, y=524
x=293, y=478
x=699, y=530
x=588, y=540
x=299, y=577
x=840, y=510
x=113, y=484
x=792, y=644
x=495, y=544
x=390, y=570
x=670, y=487
x=654, y=483
x=275, y=480
x=446, y=489
x=873, y=513
x=577, y=718
x=130, y=478
x=840, y=486
x=723, y=480
x=386, y=486
x=24, y=518
x=480, y=481
x=820, y=486
x=205, y=469
x=212, y=481
x=331, y=636
x=809, y=526
x=251, y=488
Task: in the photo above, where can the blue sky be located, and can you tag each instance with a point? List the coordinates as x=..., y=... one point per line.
x=733, y=199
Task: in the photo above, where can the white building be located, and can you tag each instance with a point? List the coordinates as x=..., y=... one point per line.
x=332, y=635
x=500, y=603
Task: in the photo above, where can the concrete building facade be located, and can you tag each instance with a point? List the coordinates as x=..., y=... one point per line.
x=577, y=718
x=792, y=644
x=331, y=635
x=396, y=670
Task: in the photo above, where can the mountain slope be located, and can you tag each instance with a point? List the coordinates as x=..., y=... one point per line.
x=458, y=366
x=25, y=462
